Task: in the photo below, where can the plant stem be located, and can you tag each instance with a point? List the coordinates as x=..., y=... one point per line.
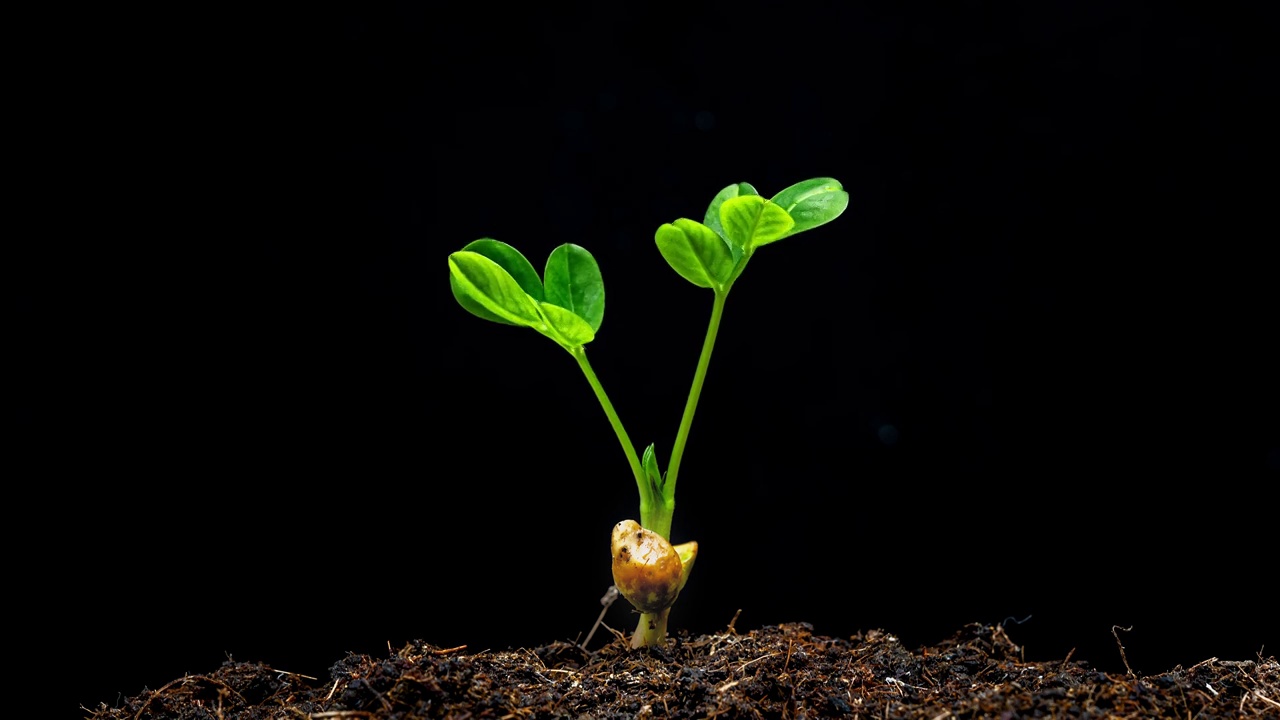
x=652, y=629
x=647, y=501
x=695, y=391
x=656, y=512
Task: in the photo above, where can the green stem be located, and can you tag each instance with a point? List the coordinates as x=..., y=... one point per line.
x=646, y=494
x=695, y=391
x=656, y=512
x=652, y=629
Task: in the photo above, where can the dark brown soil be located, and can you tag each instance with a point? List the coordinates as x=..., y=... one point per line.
x=775, y=672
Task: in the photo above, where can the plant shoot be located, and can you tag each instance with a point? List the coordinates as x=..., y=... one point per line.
x=494, y=281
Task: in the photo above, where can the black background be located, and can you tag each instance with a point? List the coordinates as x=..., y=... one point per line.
x=1023, y=379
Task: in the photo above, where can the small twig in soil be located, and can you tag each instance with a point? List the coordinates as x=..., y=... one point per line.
x=756, y=660
x=1261, y=697
x=446, y=651
x=1121, y=646
x=726, y=686
x=607, y=601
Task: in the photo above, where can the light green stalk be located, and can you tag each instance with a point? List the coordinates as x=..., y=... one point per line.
x=652, y=627
x=690, y=406
x=646, y=493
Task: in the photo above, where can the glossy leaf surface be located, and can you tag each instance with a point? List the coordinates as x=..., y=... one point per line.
x=509, y=259
x=486, y=289
x=564, y=326
x=813, y=202
x=572, y=281
x=751, y=221
x=696, y=252
x=712, y=218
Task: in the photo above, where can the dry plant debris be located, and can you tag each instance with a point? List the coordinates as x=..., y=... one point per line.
x=783, y=672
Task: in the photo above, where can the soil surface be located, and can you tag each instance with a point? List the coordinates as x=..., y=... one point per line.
x=774, y=672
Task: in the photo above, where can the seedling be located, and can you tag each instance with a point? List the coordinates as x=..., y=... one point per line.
x=494, y=281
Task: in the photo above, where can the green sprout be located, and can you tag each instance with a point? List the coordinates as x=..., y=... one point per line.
x=494, y=281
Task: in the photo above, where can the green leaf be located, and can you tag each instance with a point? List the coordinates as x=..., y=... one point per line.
x=573, y=282
x=564, y=326
x=651, y=470
x=813, y=202
x=509, y=259
x=696, y=252
x=751, y=221
x=712, y=218
x=485, y=288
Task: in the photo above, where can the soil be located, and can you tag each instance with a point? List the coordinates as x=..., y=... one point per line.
x=773, y=672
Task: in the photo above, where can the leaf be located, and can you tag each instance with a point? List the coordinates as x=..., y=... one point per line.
x=813, y=202
x=712, y=218
x=688, y=552
x=509, y=259
x=564, y=326
x=751, y=221
x=651, y=470
x=696, y=252
x=573, y=282
x=486, y=289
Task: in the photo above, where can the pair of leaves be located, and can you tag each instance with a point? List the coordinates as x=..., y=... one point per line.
x=492, y=280
x=713, y=253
